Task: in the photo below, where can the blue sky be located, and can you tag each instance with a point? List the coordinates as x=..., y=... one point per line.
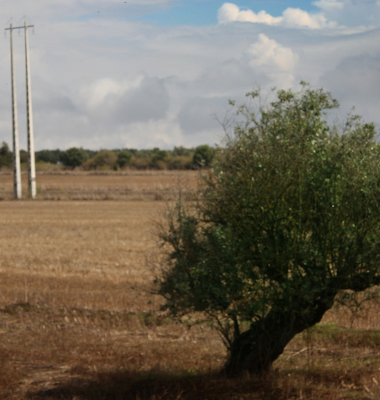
x=198, y=12
x=159, y=73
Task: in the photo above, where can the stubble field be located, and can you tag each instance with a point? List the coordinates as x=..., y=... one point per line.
x=107, y=185
x=78, y=319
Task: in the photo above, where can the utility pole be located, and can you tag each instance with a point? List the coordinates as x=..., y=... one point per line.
x=29, y=121
x=16, y=150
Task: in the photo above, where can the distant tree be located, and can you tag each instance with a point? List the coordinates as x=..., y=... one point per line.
x=105, y=159
x=123, y=158
x=49, y=156
x=159, y=155
x=5, y=156
x=181, y=151
x=74, y=157
x=23, y=156
x=91, y=153
x=288, y=217
x=179, y=162
x=203, y=156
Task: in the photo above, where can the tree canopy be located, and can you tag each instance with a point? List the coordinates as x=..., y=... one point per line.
x=5, y=155
x=287, y=217
x=203, y=156
x=74, y=157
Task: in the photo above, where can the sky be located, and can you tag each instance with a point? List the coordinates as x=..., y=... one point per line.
x=108, y=74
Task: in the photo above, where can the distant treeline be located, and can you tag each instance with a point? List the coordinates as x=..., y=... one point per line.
x=178, y=158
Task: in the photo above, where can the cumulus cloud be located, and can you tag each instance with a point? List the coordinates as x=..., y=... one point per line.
x=227, y=78
x=230, y=12
x=140, y=99
x=297, y=18
x=198, y=114
x=355, y=82
x=291, y=17
x=351, y=13
x=111, y=82
x=267, y=51
x=96, y=93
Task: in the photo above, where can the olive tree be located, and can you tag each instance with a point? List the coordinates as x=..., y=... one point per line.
x=288, y=216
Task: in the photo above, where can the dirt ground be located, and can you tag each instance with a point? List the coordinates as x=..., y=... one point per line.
x=108, y=185
x=78, y=319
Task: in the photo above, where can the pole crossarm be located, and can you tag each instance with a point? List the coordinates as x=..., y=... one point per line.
x=19, y=27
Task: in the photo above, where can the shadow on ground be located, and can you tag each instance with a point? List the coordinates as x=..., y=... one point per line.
x=156, y=386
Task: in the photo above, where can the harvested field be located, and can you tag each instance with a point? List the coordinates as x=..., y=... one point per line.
x=109, y=185
x=78, y=320
x=79, y=254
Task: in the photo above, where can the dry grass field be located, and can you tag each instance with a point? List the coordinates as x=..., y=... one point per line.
x=107, y=185
x=78, y=320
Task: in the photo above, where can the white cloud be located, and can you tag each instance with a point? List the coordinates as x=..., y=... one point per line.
x=230, y=12
x=163, y=133
x=111, y=82
x=139, y=99
x=297, y=18
x=291, y=17
x=96, y=93
x=329, y=4
x=351, y=13
x=267, y=52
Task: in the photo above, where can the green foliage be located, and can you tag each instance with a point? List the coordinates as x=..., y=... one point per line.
x=178, y=158
x=49, y=156
x=159, y=155
x=23, y=156
x=179, y=162
x=105, y=159
x=5, y=156
x=158, y=159
x=124, y=158
x=182, y=151
x=289, y=217
x=74, y=157
x=203, y=156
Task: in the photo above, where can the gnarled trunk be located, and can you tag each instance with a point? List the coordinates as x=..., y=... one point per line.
x=256, y=349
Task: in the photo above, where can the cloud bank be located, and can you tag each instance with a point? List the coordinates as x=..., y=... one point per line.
x=102, y=79
x=291, y=17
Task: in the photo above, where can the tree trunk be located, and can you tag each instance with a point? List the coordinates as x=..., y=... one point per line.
x=257, y=348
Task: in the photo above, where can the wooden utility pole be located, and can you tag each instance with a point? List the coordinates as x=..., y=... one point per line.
x=29, y=123
x=16, y=149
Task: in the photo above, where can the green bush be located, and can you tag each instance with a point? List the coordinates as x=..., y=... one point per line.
x=288, y=217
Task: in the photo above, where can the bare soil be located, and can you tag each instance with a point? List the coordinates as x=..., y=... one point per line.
x=106, y=185
x=78, y=319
